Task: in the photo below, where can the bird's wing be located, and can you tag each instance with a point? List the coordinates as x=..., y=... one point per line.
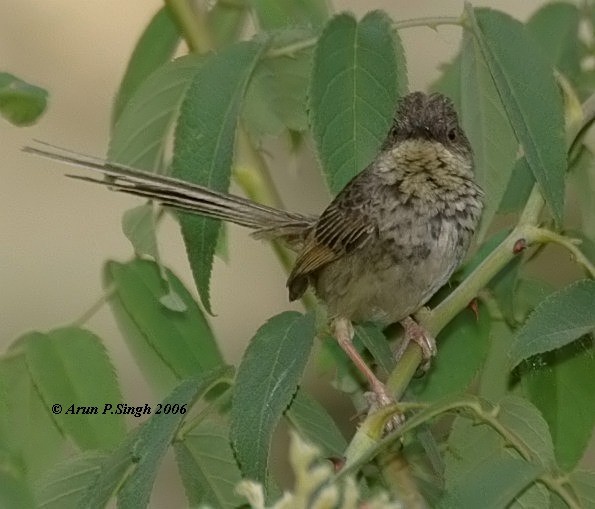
x=339, y=230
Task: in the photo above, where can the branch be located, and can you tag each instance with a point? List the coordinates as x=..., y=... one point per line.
x=487, y=413
x=433, y=23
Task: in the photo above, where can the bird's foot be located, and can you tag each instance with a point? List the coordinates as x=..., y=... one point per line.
x=378, y=399
x=378, y=396
x=419, y=335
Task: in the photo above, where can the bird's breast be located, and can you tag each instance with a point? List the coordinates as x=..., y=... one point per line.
x=411, y=256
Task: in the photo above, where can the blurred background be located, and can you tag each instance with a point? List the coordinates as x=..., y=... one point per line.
x=56, y=233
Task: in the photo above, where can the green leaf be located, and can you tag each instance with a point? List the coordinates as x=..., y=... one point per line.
x=463, y=348
x=20, y=103
x=267, y=379
x=487, y=126
x=559, y=319
x=113, y=469
x=525, y=82
x=15, y=491
x=276, y=95
x=493, y=485
x=494, y=379
x=70, y=367
x=353, y=91
x=272, y=14
x=139, y=139
x=449, y=82
x=207, y=466
x=530, y=292
x=376, y=343
x=519, y=187
x=504, y=287
x=555, y=28
x=526, y=422
x=156, y=45
x=561, y=385
x=315, y=424
x=476, y=452
x=582, y=183
x=27, y=430
x=140, y=136
x=583, y=483
x=138, y=224
x=482, y=253
x=204, y=143
x=169, y=346
x=156, y=435
x=67, y=484
x=226, y=21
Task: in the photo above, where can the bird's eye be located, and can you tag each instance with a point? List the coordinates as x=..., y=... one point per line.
x=452, y=134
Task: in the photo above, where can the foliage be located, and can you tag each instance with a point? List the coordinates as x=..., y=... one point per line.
x=505, y=414
x=20, y=103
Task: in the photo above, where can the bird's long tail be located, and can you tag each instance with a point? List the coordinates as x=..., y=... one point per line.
x=182, y=195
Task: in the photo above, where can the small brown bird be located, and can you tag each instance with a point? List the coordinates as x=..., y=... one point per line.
x=387, y=242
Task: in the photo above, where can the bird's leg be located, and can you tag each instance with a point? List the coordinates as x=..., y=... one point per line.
x=418, y=334
x=343, y=332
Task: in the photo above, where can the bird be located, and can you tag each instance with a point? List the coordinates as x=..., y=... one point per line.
x=386, y=243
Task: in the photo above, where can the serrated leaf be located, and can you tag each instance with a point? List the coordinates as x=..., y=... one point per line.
x=207, y=465
x=20, y=103
x=559, y=319
x=139, y=139
x=525, y=82
x=204, y=143
x=155, y=46
x=88, y=480
x=464, y=343
x=141, y=134
x=524, y=420
x=487, y=126
x=555, y=27
x=156, y=435
x=353, y=92
x=266, y=381
x=561, y=385
x=315, y=425
x=169, y=346
x=113, y=468
x=70, y=367
x=27, y=430
x=272, y=14
x=67, y=484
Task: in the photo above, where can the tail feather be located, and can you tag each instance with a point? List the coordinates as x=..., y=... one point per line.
x=184, y=196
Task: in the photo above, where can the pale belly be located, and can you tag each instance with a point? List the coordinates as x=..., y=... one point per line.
x=385, y=281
